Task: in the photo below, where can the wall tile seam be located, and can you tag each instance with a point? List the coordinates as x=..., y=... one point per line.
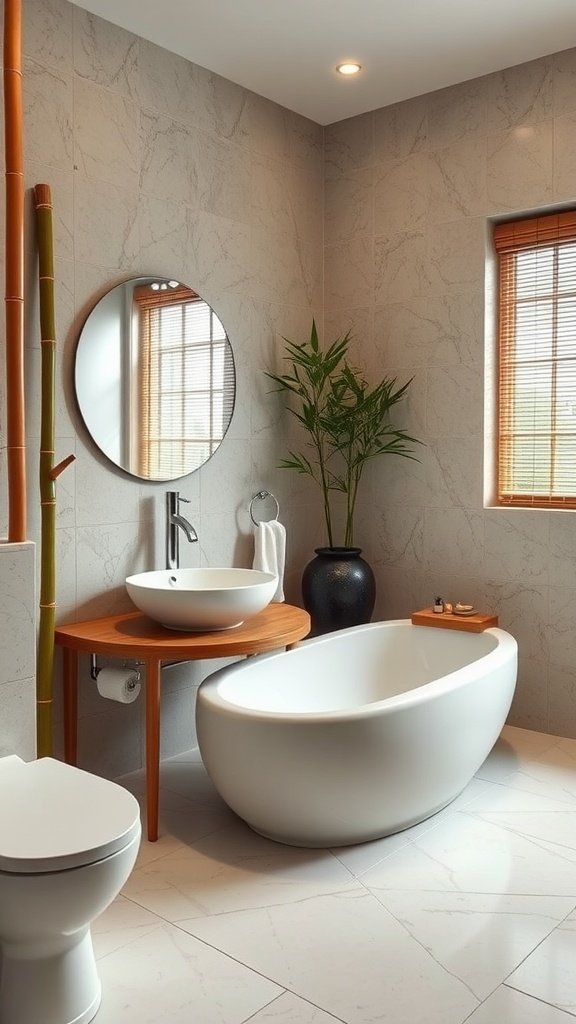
x=553, y=664
x=295, y=163
x=277, y=165
x=59, y=440
x=430, y=150
x=131, y=96
x=111, y=708
x=294, y=160
x=442, y=435
x=191, y=129
x=98, y=180
x=107, y=523
x=118, y=273
x=195, y=207
x=427, y=507
x=127, y=99
x=56, y=70
x=431, y=229
x=407, y=298
x=493, y=579
x=79, y=175
x=57, y=168
x=281, y=237
x=129, y=190
x=507, y=133
x=413, y=366
x=58, y=64
x=345, y=173
x=345, y=238
x=345, y=309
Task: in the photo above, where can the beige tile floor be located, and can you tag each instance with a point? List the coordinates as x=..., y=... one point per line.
x=469, y=916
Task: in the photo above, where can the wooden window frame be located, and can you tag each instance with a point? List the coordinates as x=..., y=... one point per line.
x=511, y=238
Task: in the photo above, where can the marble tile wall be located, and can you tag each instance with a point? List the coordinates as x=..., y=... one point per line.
x=17, y=650
x=160, y=167
x=409, y=190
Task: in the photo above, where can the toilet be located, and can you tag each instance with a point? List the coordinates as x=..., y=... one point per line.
x=68, y=842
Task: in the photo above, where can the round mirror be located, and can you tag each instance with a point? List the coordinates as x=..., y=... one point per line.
x=154, y=378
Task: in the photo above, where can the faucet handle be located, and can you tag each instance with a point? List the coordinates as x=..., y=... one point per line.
x=187, y=500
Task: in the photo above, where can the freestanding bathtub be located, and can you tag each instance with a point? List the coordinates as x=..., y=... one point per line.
x=356, y=734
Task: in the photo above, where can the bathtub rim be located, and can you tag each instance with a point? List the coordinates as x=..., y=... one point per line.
x=505, y=652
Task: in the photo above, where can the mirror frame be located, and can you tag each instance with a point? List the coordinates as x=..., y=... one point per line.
x=107, y=362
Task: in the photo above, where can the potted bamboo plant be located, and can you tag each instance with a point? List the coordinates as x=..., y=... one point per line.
x=346, y=423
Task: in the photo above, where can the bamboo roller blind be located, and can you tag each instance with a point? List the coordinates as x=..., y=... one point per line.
x=186, y=382
x=537, y=361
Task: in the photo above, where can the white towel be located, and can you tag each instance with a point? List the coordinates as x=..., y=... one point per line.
x=270, y=552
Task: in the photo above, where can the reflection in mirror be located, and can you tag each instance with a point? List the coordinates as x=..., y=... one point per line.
x=155, y=378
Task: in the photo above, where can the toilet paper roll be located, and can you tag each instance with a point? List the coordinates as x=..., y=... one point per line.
x=119, y=684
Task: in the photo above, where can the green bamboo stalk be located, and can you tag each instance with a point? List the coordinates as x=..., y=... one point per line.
x=48, y=474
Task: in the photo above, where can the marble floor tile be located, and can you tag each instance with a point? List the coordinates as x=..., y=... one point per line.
x=234, y=869
x=363, y=856
x=567, y=746
x=465, y=854
x=188, y=756
x=506, y=1006
x=121, y=923
x=478, y=938
x=168, y=975
x=181, y=818
x=527, y=814
x=345, y=953
x=290, y=1009
x=154, y=851
x=515, y=748
x=466, y=918
x=549, y=972
x=189, y=779
x=551, y=774
x=182, y=775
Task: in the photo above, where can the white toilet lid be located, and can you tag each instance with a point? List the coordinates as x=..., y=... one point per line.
x=54, y=817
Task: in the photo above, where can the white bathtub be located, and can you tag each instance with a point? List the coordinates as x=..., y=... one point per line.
x=357, y=734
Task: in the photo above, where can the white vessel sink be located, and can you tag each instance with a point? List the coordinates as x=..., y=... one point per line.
x=200, y=600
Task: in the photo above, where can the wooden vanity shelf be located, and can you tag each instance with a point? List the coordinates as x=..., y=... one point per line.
x=133, y=636
x=475, y=623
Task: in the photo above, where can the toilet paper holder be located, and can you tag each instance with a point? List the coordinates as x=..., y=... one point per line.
x=95, y=670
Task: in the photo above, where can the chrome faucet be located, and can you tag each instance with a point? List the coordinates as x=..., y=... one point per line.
x=174, y=523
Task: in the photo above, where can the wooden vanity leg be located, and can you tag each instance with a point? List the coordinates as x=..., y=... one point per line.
x=70, y=687
x=152, y=745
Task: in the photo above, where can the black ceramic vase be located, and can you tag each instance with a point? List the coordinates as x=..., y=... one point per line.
x=338, y=589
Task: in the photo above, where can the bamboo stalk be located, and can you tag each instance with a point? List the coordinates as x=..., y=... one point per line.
x=48, y=474
x=14, y=298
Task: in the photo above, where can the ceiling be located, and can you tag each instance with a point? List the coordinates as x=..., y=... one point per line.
x=287, y=50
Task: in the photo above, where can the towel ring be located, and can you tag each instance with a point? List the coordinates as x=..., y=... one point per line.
x=260, y=496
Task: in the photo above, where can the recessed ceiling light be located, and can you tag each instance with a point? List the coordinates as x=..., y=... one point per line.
x=348, y=68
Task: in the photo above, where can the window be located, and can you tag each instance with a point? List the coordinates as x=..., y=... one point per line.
x=537, y=361
x=185, y=381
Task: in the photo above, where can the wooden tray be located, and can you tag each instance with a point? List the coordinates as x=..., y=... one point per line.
x=476, y=623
